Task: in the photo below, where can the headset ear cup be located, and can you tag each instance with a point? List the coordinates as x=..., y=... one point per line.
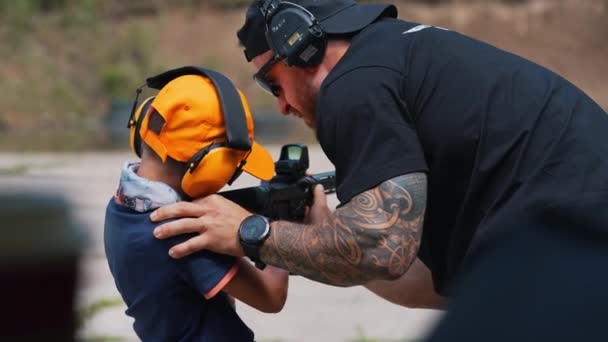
x=135, y=141
x=294, y=33
x=138, y=118
x=212, y=173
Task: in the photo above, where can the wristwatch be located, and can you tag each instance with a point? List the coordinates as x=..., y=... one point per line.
x=254, y=230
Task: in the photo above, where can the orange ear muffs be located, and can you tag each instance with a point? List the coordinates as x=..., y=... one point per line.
x=135, y=125
x=210, y=169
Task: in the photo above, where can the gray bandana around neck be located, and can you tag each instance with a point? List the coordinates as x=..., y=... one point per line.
x=140, y=194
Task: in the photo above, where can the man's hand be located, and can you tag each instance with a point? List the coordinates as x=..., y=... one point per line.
x=319, y=210
x=215, y=218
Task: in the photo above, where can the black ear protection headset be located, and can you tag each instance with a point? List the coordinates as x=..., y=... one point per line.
x=223, y=160
x=293, y=33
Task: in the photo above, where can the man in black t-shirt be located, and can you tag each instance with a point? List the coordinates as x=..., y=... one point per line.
x=490, y=169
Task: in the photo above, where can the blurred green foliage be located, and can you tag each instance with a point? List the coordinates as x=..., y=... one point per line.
x=30, y=7
x=122, y=65
x=76, y=56
x=65, y=62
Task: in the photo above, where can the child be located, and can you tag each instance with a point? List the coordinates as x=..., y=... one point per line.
x=181, y=137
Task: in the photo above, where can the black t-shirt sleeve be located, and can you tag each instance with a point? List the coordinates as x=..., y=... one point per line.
x=363, y=129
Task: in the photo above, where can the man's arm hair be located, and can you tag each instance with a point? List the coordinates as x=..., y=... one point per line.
x=374, y=236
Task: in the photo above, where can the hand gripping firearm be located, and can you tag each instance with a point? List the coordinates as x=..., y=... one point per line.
x=289, y=192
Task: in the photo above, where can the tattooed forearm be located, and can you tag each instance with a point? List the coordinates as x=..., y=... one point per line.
x=374, y=236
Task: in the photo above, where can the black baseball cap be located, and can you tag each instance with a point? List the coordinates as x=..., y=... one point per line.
x=337, y=17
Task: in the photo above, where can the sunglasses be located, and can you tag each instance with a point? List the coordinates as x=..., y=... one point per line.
x=261, y=77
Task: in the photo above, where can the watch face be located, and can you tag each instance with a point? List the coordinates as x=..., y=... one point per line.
x=254, y=229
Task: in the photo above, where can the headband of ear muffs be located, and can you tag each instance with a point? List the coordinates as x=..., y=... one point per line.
x=220, y=162
x=293, y=33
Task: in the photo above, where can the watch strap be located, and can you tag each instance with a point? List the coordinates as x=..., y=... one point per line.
x=251, y=251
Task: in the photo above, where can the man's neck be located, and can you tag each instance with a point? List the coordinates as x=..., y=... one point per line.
x=335, y=51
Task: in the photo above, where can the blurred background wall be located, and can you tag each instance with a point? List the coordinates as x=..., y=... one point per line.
x=69, y=68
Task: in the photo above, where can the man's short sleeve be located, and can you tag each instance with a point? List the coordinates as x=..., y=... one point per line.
x=363, y=127
x=205, y=271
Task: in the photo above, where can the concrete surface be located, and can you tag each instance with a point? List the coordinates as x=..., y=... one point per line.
x=314, y=312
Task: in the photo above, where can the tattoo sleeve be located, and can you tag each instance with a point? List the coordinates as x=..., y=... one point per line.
x=374, y=236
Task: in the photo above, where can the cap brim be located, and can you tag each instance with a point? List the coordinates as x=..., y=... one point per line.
x=259, y=163
x=356, y=17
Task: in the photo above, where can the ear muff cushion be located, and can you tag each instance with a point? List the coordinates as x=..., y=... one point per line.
x=212, y=173
x=140, y=114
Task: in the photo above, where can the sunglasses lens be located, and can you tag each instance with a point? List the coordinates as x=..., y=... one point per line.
x=268, y=86
x=261, y=79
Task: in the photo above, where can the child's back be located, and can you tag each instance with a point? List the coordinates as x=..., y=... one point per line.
x=182, y=141
x=171, y=300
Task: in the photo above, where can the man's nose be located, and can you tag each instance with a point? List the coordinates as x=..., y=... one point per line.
x=284, y=107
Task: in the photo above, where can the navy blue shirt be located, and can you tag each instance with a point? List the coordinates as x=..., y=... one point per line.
x=506, y=144
x=170, y=300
